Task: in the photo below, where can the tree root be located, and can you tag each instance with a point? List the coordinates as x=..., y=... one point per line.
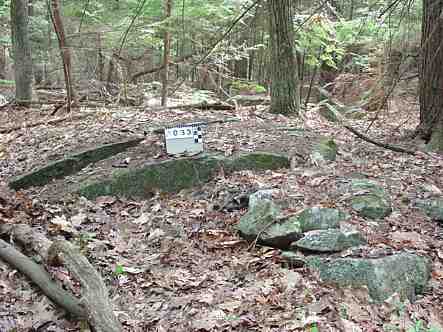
x=94, y=305
x=95, y=295
x=42, y=279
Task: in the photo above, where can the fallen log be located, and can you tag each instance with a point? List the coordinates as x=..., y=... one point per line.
x=45, y=122
x=202, y=106
x=42, y=279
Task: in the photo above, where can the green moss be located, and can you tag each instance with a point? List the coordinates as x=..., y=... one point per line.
x=174, y=175
x=256, y=161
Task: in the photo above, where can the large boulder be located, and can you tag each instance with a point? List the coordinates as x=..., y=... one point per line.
x=370, y=200
x=328, y=240
x=406, y=274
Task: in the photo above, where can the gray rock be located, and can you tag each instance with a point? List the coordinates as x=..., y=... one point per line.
x=370, y=200
x=260, y=195
x=328, y=240
x=432, y=207
x=405, y=274
x=319, y=218
x=261, y=223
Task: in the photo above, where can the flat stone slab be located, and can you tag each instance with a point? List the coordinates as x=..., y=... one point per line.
x=328, y=240
x=177, y=174
x=71, y=164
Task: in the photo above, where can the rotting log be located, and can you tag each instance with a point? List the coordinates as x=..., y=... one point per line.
x=71, y=164
x=94, y=292
x=42, y=279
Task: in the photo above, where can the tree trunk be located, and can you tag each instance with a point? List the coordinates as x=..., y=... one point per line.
x=166, y=53
x=431, y=75
x=100, y=59
x=2, y=62
x=22, y=52
x=64, y=50
x=285, y=97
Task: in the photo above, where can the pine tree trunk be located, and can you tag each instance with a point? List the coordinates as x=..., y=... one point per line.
x=431, y=75
x=22, y=52
x=285, y=98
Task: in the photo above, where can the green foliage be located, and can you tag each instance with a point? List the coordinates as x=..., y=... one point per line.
x=247, y=86
x=4, y=7
x=119, y=270
x=319, y=44
x=6, y=83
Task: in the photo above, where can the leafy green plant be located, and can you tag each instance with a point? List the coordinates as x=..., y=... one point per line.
x=314, y=328
x=119, y=270
x=247, y=86
x=319, y=44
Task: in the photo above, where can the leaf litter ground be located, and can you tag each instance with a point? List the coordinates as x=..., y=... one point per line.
x=173, y=262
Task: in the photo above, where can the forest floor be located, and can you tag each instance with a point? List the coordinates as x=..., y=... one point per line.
x=175, y=263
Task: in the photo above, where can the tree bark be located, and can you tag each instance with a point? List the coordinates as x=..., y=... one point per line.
x=431, y=75
x=64, y=50
x=285, y=97
x=166, y=53
x=42, y=279
x=2, y=62
x=22, y=52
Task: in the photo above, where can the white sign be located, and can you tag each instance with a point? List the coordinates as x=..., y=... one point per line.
x=184, y=138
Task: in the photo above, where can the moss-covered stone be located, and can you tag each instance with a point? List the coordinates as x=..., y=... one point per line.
x=70, y=165
x=256, y=161
x=316, y=218
x=405, y=274
x=174, y=175
x=168, y=176
x=262, y=222
x=328, y=240
x=370, y=200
